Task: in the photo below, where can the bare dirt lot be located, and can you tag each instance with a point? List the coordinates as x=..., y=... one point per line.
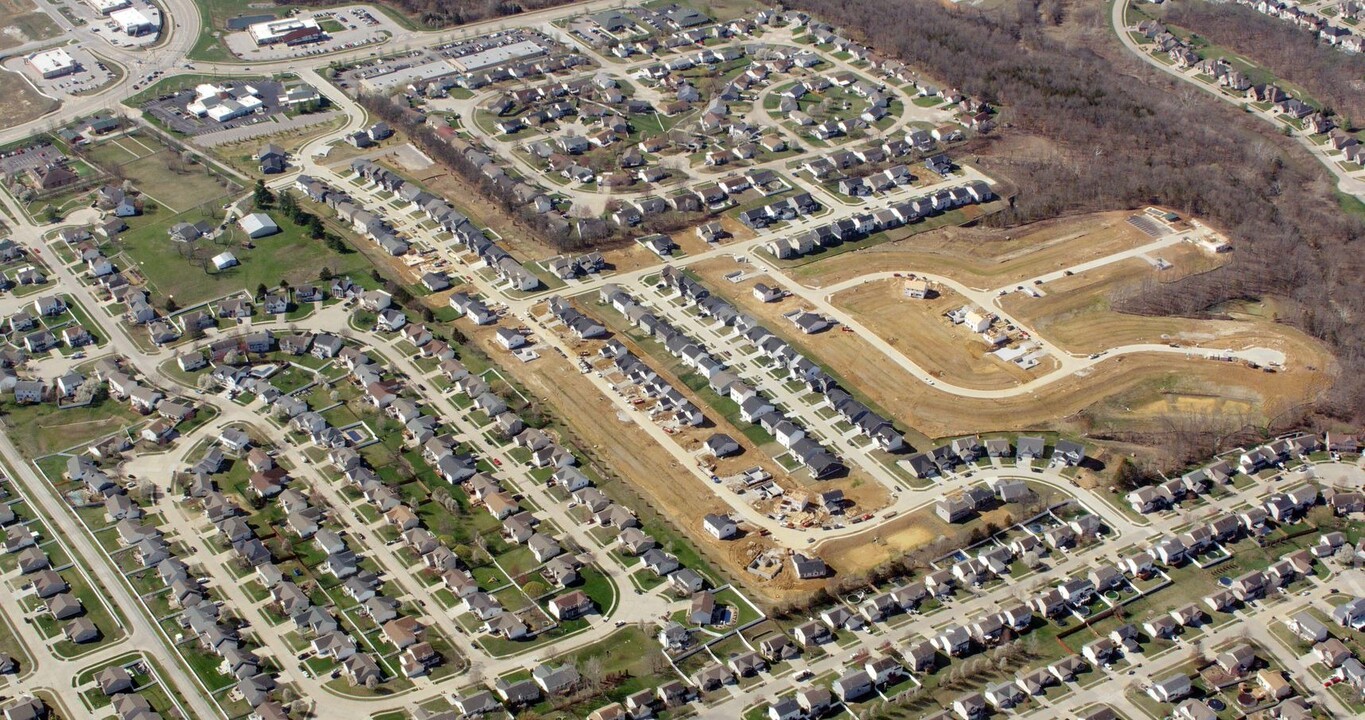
x=918, y=329
x=893, y=539
x=987, y=258
x=1076, y=313
x=1071, y=404
x=23, y=23
x=22, y=103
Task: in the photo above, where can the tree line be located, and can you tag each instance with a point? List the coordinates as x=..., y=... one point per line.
x=1330, y=76
x=549, y=229
x=1087, y=127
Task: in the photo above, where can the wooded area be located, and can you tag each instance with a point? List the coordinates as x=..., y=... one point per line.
x=1290, y=52
x=1087, y=127
x=441, y=13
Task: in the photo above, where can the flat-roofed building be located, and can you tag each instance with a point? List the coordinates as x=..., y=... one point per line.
x=52, y=63
x=289, y=31
x=104, y=7
x=400, y=78
x=133, y=21
x=498, y=55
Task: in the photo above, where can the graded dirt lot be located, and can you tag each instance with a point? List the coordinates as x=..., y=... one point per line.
x=1076, y=313
x=895, y=538
x=1074, y=403
x=22, y=103
x=986, y=258
x=918, y=329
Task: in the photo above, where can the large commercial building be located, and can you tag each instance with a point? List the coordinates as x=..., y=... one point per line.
x=511, y=52
x=52, y=63
x=104, y=7
x=416, y=75
x=290, y=31
x=223, y=104
x=134, y=22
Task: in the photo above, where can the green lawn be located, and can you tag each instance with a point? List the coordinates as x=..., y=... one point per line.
x=155, y=170
x=631, y=656
x=289, y=255
x=44, y=428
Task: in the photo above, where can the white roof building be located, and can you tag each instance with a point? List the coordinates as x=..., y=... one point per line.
x=273, y=31
x=258, y=225
x=134, y=22
x=498, y=55
x=104, y=7
x=52, y=63
x=977, y=321
x=223, y=104
x=224, y=260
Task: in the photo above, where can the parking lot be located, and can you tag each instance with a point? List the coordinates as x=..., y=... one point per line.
x=106, y=28
x=91, y=74
x=345, y=28
x=170, y=109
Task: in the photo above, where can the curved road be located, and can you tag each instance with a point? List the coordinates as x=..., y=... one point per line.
x=758, y=115
x=1069, y=363
x=181, y=32
x=1345, y=181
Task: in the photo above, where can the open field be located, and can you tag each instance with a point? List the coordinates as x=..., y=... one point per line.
x=42, y=429
x=289, y=255
x=918, y=329
x=158, y=172
x=987, y=258
x=22, y=103
x=186, y=193
x=1071, y=404
x=24, y=23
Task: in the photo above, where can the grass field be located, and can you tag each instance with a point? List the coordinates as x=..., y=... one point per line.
x=22, y=103
x=918, y=329
x=156, y=170
x=24, y=23
x=629, y=652
x=290, y=255
x=191, y=195
x=41, y=429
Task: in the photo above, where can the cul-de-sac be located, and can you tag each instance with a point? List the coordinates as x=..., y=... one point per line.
x=622, y=359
